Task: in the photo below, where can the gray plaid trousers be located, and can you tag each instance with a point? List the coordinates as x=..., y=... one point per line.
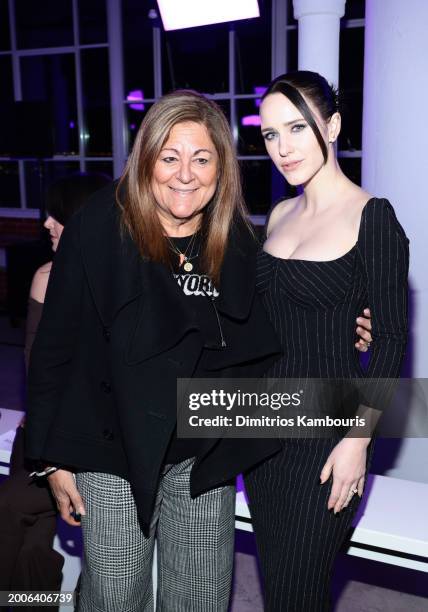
x=195, y=540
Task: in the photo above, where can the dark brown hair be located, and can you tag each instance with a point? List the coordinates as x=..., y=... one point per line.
x=66, y=195
x=134, y=193
x=315, y=87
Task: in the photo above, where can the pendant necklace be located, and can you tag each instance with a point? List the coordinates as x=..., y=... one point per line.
x=183, y=258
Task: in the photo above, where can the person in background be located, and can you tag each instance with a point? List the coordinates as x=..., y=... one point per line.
x=330, y=252
x=27, y=509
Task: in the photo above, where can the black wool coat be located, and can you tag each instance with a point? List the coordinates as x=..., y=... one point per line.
x=115, y=335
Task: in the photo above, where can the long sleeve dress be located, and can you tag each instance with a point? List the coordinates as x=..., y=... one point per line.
x=313, y=306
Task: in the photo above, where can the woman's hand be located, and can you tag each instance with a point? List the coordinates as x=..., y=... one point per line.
x=347, y=462
x=67, y=497
x=364, y=327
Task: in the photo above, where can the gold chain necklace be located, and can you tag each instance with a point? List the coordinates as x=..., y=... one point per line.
x=183, y=257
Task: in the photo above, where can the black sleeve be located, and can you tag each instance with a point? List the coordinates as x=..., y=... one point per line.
x=54, y=343
x=384, y=249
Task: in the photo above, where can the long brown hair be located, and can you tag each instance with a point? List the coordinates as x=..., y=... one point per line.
x=134, y=193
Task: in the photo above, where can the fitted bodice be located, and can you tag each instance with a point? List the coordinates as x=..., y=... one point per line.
x=313, y=305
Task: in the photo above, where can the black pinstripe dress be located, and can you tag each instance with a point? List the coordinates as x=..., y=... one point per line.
x=313, y=306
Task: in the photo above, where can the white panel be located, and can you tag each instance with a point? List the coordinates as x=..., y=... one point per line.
x=190, y=13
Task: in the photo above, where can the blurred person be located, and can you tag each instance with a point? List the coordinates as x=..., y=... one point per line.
x=27, y=509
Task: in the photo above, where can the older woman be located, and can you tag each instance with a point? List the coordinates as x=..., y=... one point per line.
x=129, y=309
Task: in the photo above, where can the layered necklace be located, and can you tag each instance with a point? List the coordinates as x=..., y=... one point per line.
x=185, y=259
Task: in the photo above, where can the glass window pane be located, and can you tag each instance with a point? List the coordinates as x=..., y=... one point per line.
x=4, y=26
x=103, y=167
x=39, y=175
x=351, y=166
x=43, y=24
x=253, y=50
x=6, y=79
x=351, y=72
x=292, y=49
x=9, y=185
x=250, y=141
x=92, y=22
x=256, y=177
x=290, y=12
x=96, y=102
x=355, y=9
x=225, y=107
x=51, y=79
x=196, y=58
x=137, y=37
x=135, y=113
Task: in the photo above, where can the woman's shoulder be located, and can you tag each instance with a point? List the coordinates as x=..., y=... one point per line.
x=278, y=211
x=40, y=282
x=381, y=211
x=379, y=217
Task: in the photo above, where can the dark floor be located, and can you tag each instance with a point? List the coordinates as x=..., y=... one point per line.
x=359, y=585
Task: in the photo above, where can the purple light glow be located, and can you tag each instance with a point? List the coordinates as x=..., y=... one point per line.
x=71, y=125
x=251, y=120
x=194, y=13
x=260, y=91
x=136, y=95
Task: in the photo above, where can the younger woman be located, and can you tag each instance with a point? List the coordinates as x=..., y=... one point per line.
x=330, y=252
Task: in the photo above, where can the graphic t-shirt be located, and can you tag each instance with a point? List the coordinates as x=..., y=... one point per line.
x=200, y=291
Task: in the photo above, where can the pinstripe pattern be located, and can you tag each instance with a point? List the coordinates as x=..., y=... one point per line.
x=195, y=540
x=313, y=306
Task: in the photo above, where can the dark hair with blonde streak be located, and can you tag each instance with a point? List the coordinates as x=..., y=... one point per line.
x=134, y=193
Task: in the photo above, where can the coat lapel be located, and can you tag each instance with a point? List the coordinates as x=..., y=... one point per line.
x=237, y=279
x=117, y=275
x=163, y=316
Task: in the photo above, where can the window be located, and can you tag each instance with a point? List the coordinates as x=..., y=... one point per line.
x=62, y=54
x=59, y=70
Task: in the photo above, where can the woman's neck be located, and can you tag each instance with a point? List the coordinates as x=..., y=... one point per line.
x=320, y=192
x=180, y=228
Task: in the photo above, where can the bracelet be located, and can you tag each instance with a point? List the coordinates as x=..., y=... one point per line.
x=43, y=473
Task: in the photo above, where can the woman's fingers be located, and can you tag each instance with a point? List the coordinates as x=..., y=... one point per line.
x=362, y=346
x=67, y=496
x=351, y=492
x=335, y=494
x=342, y=499
x=326, y=471
x=360, y=486
x=364, y=333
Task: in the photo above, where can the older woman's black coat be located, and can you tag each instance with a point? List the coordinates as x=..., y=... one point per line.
x=115, y=334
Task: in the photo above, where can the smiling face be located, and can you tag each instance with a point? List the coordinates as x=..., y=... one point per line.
x=184, y=177
x=290, y=141
x=55, y=230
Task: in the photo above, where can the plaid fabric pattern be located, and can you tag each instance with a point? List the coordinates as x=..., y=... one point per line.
x=195, y=539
